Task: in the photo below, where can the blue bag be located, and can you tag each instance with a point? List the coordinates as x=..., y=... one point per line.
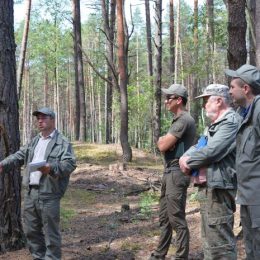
x=202, y=142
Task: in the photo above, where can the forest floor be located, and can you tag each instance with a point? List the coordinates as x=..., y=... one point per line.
x=112, y=213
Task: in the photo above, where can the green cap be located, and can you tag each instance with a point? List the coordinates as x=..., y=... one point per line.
x=45, y=110
x=250, y=74
x=176, y=89
x=215, y=90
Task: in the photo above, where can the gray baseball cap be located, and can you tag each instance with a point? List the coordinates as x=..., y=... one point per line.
x=45, y=110
x=250, y=74
x=176, y=89
x=215, y=90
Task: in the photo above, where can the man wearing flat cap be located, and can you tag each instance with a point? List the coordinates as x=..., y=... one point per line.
x=174, y=184
x=217, y=159
x=245, y=92
x=49, y=161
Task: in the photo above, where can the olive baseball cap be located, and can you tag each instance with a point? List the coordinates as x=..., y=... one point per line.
x=176, y=89
x=46, y=111
x=215, y=90
x=250, y=74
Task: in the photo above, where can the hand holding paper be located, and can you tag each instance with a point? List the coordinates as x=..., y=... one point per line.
x=34, y=166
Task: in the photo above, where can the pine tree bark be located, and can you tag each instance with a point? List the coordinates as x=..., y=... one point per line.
x=157, y=71
x=123, y=80
x=177, y=36
x=236, y=52
x=195, y=109
x=149, y=39
x=11, y=235
x=109, y=15
x=20, y=68
x=251, y=7
x=172, y=48
x=257, y=32
x=79, y=82
x=210, y=40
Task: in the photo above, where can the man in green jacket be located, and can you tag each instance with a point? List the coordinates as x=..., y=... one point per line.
x=245, y=91
x=217, y=158
x=44, y=186
x=174, y=184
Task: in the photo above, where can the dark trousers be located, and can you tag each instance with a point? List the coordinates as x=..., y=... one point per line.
x=216, y=208
x=250, y=220
x=41, y=226
x=172, y=215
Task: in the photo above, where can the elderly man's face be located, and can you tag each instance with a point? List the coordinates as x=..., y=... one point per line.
x=210, y=104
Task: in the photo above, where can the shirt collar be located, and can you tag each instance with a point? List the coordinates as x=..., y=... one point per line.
x=51, y=135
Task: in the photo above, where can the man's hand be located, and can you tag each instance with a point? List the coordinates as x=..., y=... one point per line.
x=184, y=166
x=1, y=168
x=45, y=169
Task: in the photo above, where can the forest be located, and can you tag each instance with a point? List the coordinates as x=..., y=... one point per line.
x=101, y=66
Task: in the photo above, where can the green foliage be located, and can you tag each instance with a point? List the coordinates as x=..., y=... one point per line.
x=147, y=199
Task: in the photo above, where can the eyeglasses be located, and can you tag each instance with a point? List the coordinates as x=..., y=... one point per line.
x=168, y=98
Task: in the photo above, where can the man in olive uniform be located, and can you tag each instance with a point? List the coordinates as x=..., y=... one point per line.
x=245, y=91
x=174, y=184
x=217, y=159
x=44, y=186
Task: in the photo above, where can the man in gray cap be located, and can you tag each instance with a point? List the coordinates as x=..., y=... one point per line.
x=49, y=161
x=216, y=158
x=174, y=184
x=245, y=91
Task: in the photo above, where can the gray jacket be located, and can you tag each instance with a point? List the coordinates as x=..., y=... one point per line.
x=59, y=155
x=248, y=157
x=219, y=154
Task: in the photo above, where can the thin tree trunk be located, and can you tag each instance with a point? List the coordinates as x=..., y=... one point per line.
x=157, y=71
x=195, y=109
x=257, y=33
x=23, y=47
x=109, y=28
x=149, y=39
x=210, y=40
x=251, y=7
x=177, y=42
x=123, y=79
x=11, y=235
x=172, y=49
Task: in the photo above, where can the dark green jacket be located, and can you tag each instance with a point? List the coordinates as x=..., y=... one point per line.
x=59, y=155
x=218, y=156
x=248, y=157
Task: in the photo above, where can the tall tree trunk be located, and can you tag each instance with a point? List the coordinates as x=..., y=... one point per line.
x=149, y=39
x=257, y=32
x=172, y=49
x=109, y=28
x=149, y=56
x=123, y=80
x=251, y=7
x=157, y=71
x=236, y=52
x=210, y=40
x=195, y=108
x=11, y=235
x=23, y=47
x=79, y=68
x=177, y=36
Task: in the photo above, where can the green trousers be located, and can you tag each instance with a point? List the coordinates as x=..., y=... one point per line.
x=216, y=208
x=41, y=226
x=172, y=215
